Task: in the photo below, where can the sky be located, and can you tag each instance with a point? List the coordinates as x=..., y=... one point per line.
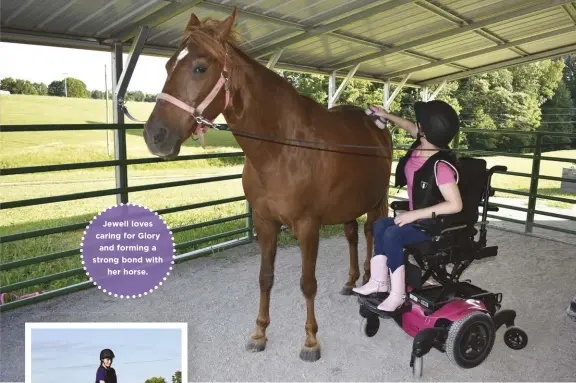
x=22, y=61
x=76, y=352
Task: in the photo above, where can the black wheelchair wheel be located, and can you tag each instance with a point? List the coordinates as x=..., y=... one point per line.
x=370, y=325
x=470, y=340
x=515, y=338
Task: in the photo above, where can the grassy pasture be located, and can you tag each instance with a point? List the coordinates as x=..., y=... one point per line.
x=42, y=148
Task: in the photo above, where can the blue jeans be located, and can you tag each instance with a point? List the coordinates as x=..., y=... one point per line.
x=389, y=240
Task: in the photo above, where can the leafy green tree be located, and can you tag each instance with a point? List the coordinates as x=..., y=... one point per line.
x=558, y=116
x=156, y=379
x=75, y=88
x=177, y=377
x=8, y=83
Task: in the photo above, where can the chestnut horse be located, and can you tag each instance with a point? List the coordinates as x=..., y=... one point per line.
x=297, y=184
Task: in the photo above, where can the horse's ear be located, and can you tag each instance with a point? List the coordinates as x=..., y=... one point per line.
x=226, y=26
x=193, y=21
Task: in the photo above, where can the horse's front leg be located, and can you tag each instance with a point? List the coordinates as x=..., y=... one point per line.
x=351, y=232
x=371, y=217
x=267, y=239
x=308, y=234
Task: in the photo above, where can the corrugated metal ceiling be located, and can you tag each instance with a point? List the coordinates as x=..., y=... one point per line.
x=437, y=40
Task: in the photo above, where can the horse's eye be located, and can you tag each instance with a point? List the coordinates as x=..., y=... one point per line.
x=199, y=69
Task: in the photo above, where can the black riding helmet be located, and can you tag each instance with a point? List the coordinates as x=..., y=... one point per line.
x=439, y=121
x=106, y=353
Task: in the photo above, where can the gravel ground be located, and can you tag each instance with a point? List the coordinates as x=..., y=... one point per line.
x=218, y=298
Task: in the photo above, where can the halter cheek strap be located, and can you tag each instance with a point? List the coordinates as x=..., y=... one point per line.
x=202, y=122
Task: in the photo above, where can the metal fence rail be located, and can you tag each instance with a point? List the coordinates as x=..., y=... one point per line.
x=123, y=190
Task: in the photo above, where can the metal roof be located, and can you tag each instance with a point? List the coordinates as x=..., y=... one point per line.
x=421, y=41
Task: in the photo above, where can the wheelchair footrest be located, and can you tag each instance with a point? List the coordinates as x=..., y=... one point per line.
x=435, y=296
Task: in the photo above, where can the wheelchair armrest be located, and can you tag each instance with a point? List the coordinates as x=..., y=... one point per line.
x=442, y=224
x=400, y=205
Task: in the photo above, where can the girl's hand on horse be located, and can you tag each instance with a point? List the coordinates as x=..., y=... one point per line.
x=407, y=217
x=379, y=111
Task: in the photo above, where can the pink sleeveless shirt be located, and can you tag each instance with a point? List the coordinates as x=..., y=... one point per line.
x=444, y=173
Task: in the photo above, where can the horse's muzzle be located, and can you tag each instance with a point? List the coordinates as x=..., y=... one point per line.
x=161, y=141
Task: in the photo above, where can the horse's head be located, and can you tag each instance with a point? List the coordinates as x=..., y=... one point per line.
x=196, y=88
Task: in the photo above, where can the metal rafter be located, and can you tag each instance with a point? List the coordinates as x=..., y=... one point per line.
x=484, y=51
x=450, y=15
x=451, y=33
x=381, y=46
x=570, y=10
x=508, y=63
x=154, y=19
x=375, y=8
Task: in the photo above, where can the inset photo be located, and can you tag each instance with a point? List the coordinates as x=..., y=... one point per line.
x=106, y=352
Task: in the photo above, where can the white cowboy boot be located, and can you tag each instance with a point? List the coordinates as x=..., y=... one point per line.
x=397, y=292
x=378, y=282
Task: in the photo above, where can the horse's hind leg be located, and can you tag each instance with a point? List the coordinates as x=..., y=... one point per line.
x=308, y=234
x=351, y=232
x=267, y=238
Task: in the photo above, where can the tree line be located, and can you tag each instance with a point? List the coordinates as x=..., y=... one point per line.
x=176, y=378
x=70, y=87
x=532, y=97
x=538, y=96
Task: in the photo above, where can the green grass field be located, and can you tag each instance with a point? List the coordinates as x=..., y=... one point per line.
x=42, y=148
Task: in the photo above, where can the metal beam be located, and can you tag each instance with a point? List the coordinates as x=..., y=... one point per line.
x=570, y=10
x=344, y=84
x=274, y=59
x=135, y=51
x=437, y=90
x=504, y=64
x=483, y=51
x=396, y=91
x=154, y=19
x=375, y=8
x=452, y=32
x=449, y=15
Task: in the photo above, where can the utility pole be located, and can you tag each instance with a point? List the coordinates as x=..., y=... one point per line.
x=65, y=85
x=106, y=92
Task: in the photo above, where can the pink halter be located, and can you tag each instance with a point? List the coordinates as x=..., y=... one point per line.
x=202, y=122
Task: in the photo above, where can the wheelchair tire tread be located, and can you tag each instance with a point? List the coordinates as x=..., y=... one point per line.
x=455, y=332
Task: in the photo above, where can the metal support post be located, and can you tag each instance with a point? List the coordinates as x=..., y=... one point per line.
x=342, y=86
x=533, y=184
x=397, y=91
x=120, y=132
x=425, y=94
x=386, y=95
x=274, y=58
x=133, y=56
x=331, y=88
x=433, y=96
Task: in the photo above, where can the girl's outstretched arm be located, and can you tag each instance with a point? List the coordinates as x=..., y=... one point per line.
x=402, y=123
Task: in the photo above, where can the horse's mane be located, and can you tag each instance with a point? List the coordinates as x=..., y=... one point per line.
x=205, y=35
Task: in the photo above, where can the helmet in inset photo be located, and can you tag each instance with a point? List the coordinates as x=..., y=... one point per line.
x=106, y=353
x=439, y=121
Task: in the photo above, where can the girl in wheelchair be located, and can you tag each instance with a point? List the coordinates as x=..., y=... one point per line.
x=430, y=174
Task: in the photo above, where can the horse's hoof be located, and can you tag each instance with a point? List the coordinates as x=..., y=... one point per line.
x=256, y=345
x=346, y=290
x=310, y=354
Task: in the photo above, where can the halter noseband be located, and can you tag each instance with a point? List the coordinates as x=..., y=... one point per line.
x=202, y=122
